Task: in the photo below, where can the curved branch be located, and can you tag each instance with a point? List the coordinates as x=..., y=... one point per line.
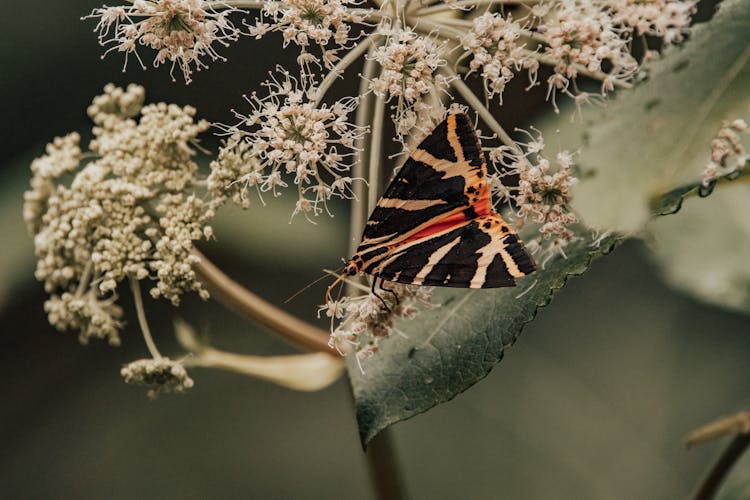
x=245, y=302
x=715, y=477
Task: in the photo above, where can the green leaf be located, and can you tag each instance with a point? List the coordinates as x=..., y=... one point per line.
x=448, y=349
x=671, y=202
x=657, y=135
x=704, y=249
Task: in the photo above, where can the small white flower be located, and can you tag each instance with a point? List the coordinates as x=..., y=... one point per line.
x=286, y=133
x=496, y=52
x=182, y=32
x=728, y=154
x=666, y=19
x=325, y=23
x=366, y=320
x=409, y=75
x=543, y=194
x=127, y=211
x=160, y=375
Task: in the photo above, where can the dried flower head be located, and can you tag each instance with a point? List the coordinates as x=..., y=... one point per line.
x=122, y=210
x=182, y=32
x=409, y=74
x=728, y=154
x=365, y=320
x=288, y=135
x=159, y=375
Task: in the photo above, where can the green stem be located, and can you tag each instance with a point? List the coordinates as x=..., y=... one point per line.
x=445, y=7
x=135, y=287
x=382, y=462
x=376, y=152
x=361, y=160
x=473, y=101
x=237, y=4
x=384, y=469
x=341, y=66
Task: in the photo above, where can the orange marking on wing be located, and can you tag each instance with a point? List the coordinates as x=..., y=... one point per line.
x=447, y=223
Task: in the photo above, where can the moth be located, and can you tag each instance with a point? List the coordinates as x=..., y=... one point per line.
x=434, y=224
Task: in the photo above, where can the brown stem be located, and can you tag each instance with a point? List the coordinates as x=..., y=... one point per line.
x=715, y=477
x=245, y=302
x=384, y=469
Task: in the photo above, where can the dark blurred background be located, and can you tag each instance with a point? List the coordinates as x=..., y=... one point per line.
x=592, y=402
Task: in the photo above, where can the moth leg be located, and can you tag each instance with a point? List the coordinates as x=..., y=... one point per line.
x=373, y=292
x=395, y=295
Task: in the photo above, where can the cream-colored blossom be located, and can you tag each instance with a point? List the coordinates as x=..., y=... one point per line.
x=497, y=51
x=582, y=34
x=363, y=321
x=665, y=19
x=287, y=135
x=125, y=211
x=728, y=153
x=409, y=76
x=325, y=23
x=160, y=375
x=543, y=194
x=182, y=32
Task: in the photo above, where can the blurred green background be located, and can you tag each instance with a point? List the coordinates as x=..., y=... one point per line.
x=592, y=402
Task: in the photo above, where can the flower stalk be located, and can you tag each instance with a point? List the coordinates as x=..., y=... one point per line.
x=242, y=300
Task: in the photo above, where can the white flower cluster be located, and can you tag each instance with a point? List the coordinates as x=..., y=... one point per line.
x=288, y=133
x=543, y=193
x=160, y=375
x=409, y=74
x=728, y=154
x=582, y=34
x=365, y=320
x=182, y=32
x=665, y=19
x=574, y=37
x=122, y=210
x=305, y=22
x=497, y=53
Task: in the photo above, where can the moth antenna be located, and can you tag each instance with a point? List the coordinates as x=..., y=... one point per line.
x=325, y=275
x=339, y=279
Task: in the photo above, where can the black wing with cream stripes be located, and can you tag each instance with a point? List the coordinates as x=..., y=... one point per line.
x=433, y=183
x=434, y=224
x=481, y=253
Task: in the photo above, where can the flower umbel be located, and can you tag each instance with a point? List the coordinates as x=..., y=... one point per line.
x=123, y=210
x=543, y=194
x=666, y=19
x=497, y=53
x=183, y=32
x=365, y=320
x=325, y=23
x=159, y=375
x=410, y=76
x=285, y=134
